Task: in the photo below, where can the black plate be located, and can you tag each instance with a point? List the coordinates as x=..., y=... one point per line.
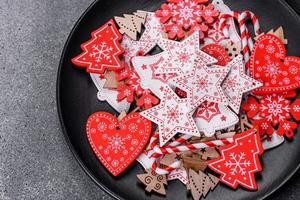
x=76, y=99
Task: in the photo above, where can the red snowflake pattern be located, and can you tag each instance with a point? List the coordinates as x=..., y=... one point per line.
x=272, y=110
x=207, y=111
x=131, y=88
x=147, y=100
x=186, y=15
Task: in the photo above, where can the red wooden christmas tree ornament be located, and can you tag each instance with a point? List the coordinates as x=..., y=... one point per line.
x=240, y=160
x=102, y=51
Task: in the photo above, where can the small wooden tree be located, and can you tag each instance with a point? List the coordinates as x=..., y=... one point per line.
x=131, y=24
x=153, y=181
x=200, y=183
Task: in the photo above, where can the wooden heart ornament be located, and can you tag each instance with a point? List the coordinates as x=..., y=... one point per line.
x=117, y=144
x=270, y=66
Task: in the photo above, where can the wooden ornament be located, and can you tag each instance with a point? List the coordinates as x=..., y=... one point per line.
x=131, y=24
x=140, y=18
x=245, y=124
x=279, y=32
x=209, y=153
x=200, y=184
x=213, y=181
x=195, y=163
x=122, y=115
x=111, y=81
x=230, y=134
x=168, y=159
x=233, y=50
x=153, y=181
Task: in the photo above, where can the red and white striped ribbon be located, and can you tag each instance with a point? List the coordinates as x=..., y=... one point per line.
x=190, y=147
x=247, y=42
x=171, y=167
x=175, y=143
x=174, y=148
x=166, y=169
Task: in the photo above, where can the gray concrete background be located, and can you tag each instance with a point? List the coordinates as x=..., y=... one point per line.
x=35, y=162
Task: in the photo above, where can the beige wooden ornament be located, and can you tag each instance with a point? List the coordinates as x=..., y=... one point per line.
x=111, y=81
x=168, y=159
x=131, y=24
x=122, y=115
x=230, y=134
x=195, y=163
x=209, y=153
x=200, y=184
x=245, y=124
x=140, y=17
x=233, y=50
x=280, y=34
x=153, y=181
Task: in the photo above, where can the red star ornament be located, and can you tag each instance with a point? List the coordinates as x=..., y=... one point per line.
x=180, y=57
x=270, y=65
x=172, y=115
x=117, y=144
x=203, y=84
x=239, y=161
x=237, y=83
x=102, y=51
x=211, y=117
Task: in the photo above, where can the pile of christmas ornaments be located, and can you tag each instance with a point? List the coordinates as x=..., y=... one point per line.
x=198, y=98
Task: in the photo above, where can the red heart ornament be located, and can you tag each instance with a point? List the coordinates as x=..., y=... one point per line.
x=270, y=66
x=117, y=144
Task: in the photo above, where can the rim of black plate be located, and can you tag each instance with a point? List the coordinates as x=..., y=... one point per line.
x=71, y=147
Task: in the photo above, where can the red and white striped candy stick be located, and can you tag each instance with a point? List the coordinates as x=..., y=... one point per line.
x=160, y=151
x=167, y=169
x=176, y=142
x=190, y=147
x=256, y=25
x=247, y=43
x=173, y=166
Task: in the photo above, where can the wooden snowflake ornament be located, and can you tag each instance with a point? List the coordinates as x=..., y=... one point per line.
x=102, y=51
x=240, y=160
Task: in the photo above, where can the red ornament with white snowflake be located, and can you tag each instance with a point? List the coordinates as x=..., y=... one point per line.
x=186, y=15
x=239, y=161
x=117, y=144
x=131, y=89
x=102, y=51
x=273, y=110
